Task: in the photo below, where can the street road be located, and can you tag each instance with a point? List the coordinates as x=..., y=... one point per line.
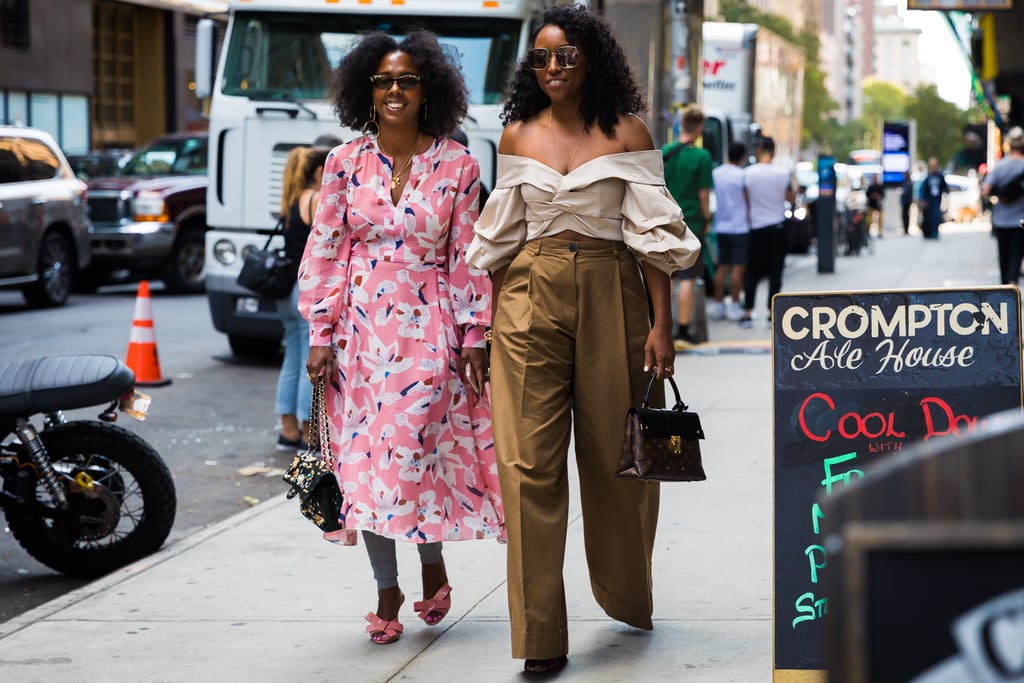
x=215, y=418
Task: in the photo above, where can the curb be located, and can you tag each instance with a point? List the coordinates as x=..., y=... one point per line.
x=71, y=598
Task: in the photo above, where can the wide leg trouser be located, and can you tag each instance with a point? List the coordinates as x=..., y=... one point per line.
x=570, y=326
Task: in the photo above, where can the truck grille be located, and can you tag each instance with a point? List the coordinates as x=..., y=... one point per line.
x=107, y=207
x=277, y=163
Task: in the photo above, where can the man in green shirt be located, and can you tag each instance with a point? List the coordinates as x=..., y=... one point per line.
x=688, y=178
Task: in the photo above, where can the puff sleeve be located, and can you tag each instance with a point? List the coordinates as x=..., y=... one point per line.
x=653, y=227
x=500, y=231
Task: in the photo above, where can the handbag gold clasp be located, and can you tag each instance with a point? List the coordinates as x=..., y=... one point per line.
x=677, y=444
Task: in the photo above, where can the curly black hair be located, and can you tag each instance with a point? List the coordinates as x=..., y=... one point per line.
x=444, y=88
x=611, y=88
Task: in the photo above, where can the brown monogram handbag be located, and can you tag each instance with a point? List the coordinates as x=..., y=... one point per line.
x=662, y=444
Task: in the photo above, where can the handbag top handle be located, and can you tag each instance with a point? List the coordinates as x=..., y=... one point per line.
x=278, y=230
x=319, y=437
x=647, y=394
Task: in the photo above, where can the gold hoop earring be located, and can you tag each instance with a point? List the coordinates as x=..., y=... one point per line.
x=371, y=128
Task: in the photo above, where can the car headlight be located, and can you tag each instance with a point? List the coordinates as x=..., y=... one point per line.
x=224, y=251
x=150, y=206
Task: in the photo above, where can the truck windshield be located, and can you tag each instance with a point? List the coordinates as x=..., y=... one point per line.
x=290, y=55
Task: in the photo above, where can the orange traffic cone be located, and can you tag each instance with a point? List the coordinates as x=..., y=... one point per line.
x=142, y=357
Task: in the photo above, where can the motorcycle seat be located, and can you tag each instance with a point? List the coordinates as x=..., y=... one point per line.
x=52, y=383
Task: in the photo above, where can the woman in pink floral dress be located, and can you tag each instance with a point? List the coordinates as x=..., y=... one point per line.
x=398, y=318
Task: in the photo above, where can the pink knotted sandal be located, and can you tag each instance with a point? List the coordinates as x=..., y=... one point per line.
x=434, y=610
x=383, y=632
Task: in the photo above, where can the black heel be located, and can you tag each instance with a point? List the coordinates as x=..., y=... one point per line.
x=545, y=666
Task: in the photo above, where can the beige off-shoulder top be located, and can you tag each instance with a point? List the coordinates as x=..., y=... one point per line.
x=620, y=197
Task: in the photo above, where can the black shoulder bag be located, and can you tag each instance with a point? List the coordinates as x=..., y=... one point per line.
x=269, y=272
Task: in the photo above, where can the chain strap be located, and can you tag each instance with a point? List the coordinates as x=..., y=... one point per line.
x=320, y=436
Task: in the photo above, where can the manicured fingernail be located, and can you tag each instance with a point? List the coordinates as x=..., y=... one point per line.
x=646, y=368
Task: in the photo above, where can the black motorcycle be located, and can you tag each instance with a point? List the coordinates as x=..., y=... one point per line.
x=82, y=497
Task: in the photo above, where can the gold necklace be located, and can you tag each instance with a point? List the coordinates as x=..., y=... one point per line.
x=397, y=177
x=554, y=150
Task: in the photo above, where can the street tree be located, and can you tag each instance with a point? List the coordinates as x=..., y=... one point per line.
x=940, y=123
x=839, y=139
x=883, y=101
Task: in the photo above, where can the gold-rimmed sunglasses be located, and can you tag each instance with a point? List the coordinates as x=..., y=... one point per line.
x=566, y=56
x=384, y=82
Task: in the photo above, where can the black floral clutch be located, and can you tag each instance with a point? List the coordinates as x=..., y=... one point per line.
x=311, y=474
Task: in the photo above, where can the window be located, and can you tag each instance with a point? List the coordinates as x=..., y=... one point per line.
x=10, y=166
x=40, y=161
x=14, y=26
x=291, y=56
x=113, y=100
x=23, y=159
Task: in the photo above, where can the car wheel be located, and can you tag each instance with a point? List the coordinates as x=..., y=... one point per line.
x=56, y=272
x=254, y=347
x=185, y=271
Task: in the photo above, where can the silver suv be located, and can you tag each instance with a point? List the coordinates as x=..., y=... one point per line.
x=44, y=219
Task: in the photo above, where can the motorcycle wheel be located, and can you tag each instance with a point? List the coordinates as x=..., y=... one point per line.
x=127, y=515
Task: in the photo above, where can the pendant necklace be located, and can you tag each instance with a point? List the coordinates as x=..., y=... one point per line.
x=554, y=150
x=397, y=177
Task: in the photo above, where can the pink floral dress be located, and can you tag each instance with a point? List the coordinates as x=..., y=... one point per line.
x=388, y=287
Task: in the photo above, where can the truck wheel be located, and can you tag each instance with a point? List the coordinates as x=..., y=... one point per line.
x=56, y=270
x=254, y=347
x=185, y=270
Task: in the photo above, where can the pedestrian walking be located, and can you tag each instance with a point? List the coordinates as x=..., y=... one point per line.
x=876, y=198
x=398, y=319
x=688, y=177
x=906, y=201
x=769, y=188
x=933, y=189
x=1005, y=182
x=580, y=196
x=732, y=227
x=303, y=172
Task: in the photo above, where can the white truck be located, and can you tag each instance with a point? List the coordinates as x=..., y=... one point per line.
x=269, y=93
x=756, y=78
x=663, y=46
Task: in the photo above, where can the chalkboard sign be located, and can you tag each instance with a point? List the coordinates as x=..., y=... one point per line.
x=858, y=377
x=933, y=602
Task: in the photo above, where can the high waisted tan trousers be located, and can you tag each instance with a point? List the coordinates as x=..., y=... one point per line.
x=570, y=327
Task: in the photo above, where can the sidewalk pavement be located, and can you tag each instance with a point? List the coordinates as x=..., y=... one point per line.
x=259, y=597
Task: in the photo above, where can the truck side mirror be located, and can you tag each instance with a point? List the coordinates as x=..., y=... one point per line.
x=206, y=37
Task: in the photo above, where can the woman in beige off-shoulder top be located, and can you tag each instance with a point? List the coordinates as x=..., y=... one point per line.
x=578, y=212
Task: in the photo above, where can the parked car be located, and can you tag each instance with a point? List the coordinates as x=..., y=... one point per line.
x=98, y=162
x=44, y=223
x=963, y=203
x=149, y=218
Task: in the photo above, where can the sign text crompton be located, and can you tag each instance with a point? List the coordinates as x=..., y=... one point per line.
x=906, y=320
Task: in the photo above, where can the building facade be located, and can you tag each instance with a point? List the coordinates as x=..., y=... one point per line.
x=122, y=80
x=896, y=52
